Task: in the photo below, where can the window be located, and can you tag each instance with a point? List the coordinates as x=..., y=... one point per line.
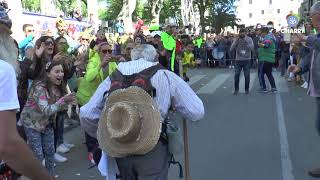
x=270, y=1
x=262, y=12
x=250, y=1
x=250, y=15
x=278, y=11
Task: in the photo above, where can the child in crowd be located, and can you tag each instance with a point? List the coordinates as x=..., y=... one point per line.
x=47, y=97
x=188, y=60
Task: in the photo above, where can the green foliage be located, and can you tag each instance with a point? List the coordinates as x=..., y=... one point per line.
x=223, y=15
x=112, y=11
x=66, y=6
x=31, y=5
x=143, y=11
x=171, y=8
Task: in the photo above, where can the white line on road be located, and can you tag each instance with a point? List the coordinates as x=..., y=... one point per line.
x=195, y=79
x=281, y=83
x=286, y=162
x=213, y=85
x=253, y=76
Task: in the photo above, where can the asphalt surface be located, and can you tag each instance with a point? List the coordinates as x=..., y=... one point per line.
x=260, y=136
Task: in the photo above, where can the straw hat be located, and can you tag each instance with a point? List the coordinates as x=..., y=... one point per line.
x=129, y=124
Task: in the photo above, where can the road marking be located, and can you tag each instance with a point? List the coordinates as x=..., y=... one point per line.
x=195, y=79
x=281, y=83
x=253, y=76
x=286, y=162
x=213, y=85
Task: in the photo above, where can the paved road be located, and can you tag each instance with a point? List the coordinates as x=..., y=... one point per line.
x=244, y=137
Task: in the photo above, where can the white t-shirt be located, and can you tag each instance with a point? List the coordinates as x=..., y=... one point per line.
x=8, y=87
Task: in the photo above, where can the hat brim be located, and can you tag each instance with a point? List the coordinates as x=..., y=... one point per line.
x=150, y=128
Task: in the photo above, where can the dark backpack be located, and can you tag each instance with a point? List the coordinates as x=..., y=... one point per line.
x=141, y=79
x=243, y=49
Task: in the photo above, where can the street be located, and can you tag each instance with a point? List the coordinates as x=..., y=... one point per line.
x=260, y=136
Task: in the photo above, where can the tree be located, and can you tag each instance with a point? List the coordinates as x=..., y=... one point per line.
x=143, y=11
x=31, y=5
x=222, y=15
x=112, y=11
x=155, y=8
x=171, y=8
x=187, y=12
x=203, y=6
x=50, y=6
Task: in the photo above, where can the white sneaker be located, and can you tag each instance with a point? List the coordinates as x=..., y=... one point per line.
x=59, y=158
x=62, y=149
x=306, y=85
x=69, y=146
x=44, y=163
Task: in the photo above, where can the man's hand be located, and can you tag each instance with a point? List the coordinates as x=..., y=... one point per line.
x=297, y=38
x=294, y=69
x=260, y=45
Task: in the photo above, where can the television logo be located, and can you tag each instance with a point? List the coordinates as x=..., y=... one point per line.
x=293, y=21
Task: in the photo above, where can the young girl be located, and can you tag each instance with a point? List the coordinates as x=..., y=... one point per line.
x=46, y=98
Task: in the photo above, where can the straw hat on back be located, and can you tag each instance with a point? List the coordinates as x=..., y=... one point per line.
x=129, y=124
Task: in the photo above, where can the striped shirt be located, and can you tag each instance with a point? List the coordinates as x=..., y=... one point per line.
x=170, y=88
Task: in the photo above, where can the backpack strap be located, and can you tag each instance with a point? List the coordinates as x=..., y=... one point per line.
x=146, y=75
x=141, y=79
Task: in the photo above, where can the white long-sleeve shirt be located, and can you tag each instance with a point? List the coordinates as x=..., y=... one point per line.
x=170, y=89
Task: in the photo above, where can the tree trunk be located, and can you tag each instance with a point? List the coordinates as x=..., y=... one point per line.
x=155, y=6
x=187, y=12
x=202, y=20
x=126, y=14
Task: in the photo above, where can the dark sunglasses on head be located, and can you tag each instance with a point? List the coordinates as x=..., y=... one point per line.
x=105, y=51
x=47, y=43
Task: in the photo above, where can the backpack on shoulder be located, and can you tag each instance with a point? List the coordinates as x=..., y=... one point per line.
x=243, y=49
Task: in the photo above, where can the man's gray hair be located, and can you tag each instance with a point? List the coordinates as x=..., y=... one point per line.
x=315, y=9
x=144, y=51
x=8, y=50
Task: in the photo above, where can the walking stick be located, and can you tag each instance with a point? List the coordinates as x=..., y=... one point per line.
x=185, y=136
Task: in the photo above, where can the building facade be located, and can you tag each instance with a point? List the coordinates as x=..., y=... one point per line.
x=253, y=12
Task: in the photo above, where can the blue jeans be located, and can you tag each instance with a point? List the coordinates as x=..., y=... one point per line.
x=239, y=65
x=284, y=62
x=58, y=131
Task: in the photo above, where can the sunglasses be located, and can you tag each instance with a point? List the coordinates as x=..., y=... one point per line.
x=30, y=31
x=83, y=39
x=47, y=43
x=106, y=51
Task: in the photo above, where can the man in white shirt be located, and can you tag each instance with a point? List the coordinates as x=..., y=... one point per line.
x=13, y=150
x=171, y=90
